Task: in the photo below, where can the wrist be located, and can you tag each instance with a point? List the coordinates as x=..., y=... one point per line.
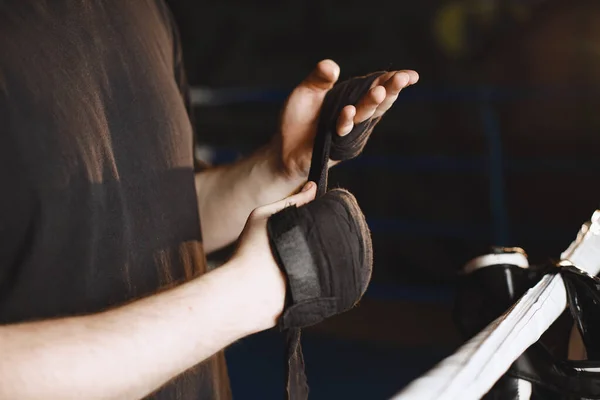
x=284, y=176
x=264, y=287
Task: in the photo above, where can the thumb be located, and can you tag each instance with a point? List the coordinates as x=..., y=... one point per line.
x=323, y=77
x=299, y=199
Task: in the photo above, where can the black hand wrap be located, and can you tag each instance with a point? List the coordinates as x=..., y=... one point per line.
x=325, y=250
x=324, y=247
x=328, y=144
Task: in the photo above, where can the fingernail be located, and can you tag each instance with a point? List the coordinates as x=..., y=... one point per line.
x=307, y=187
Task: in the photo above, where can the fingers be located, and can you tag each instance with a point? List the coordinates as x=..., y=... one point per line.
x=323, y=77
x=345, y=122
x=413, y=77
x=299, y=199
x=381, y=97
x=395, y=83
x=367, y=106
x=380, y=81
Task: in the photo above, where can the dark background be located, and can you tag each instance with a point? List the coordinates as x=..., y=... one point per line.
x=496, y=145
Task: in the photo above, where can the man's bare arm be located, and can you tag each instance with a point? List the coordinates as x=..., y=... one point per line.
x=227, y=195
x=129, y=352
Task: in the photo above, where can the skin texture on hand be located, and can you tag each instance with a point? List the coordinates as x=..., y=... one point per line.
x=300, y=114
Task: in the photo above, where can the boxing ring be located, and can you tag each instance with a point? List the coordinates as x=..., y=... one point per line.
x=477, y=365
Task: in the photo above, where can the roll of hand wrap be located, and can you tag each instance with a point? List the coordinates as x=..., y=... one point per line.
x=323, y=247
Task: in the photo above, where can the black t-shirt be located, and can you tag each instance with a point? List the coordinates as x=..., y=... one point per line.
x=97, y=198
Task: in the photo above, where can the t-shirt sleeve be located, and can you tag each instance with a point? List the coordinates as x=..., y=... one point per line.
x=180, y=76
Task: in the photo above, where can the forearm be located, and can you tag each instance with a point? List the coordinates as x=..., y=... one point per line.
x=128, y=352
x=227, y=194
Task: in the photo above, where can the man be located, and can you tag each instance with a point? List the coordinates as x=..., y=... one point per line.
x=103, y=293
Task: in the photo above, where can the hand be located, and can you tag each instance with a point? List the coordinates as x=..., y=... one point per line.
x=301, y=112
x=254, y=252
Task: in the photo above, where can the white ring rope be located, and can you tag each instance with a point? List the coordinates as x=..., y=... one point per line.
x=476, y=366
